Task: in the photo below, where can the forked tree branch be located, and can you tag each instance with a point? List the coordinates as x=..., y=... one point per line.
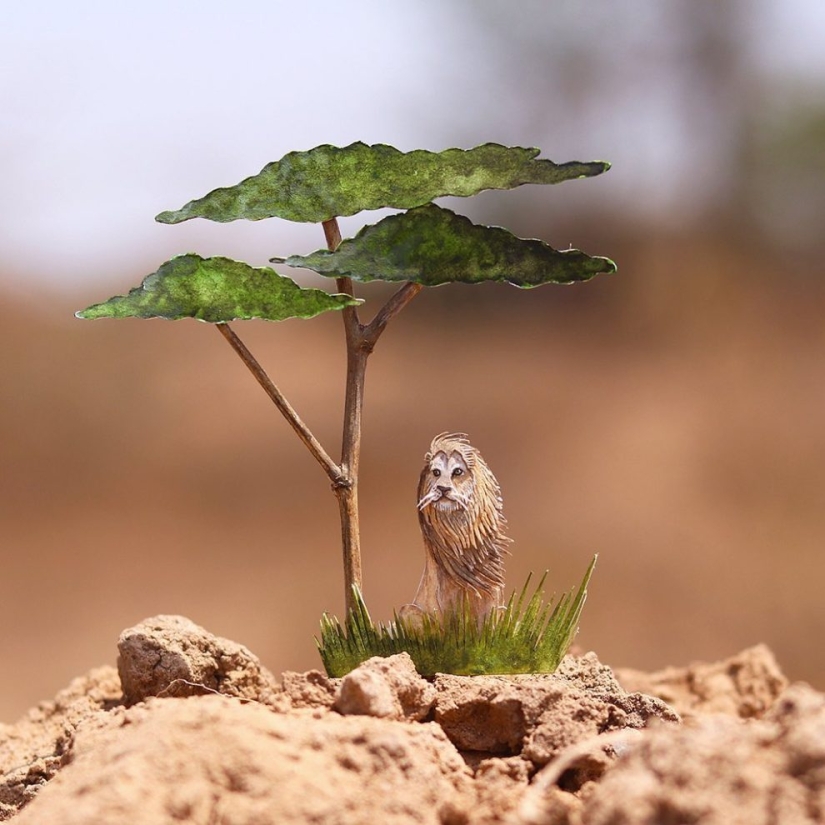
x=367, y=335
x=361, y=340
x=394, y=305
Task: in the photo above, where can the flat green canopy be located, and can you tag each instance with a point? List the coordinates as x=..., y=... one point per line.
x=217, y=290
x=432, y=246
x=331, y=181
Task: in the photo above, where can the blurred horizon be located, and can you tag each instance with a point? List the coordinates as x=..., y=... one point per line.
x=710, y=114
x=669, y=417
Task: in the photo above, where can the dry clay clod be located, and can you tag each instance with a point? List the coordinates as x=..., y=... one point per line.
x=172, y=656
x=385, y=687
x=462, y=522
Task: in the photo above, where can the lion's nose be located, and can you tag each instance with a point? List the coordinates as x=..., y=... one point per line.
x=442, y=488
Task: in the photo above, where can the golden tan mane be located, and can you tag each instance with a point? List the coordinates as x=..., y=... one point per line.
x=465, y=539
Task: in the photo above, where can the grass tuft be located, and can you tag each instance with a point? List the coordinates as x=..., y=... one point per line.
x=527, y=636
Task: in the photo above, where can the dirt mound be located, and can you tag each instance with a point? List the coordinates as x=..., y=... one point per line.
x=194, y=729
x=722, y=771
x=208, y=759
x=745, y=685
x=34, y=749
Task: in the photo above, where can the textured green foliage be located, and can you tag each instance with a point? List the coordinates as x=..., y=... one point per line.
x=523, y=638
x=329, y=181
x=216, y=290
x=432, y=246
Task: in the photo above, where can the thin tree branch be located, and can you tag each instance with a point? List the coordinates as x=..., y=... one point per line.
x=394, y=305
x=332, y=233
x=352, y=325
x=335, y=473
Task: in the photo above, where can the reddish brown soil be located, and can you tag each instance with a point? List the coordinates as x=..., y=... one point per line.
x=190, y=727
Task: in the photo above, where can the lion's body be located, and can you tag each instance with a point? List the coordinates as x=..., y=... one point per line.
x=463, y=526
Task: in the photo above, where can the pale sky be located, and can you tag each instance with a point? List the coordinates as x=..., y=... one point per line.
x=110, y=113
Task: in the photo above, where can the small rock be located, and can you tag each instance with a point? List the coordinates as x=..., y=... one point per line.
x=745, y=685
x=312, y=689
x=571, y=717
x=487, y=713
x=500, y=784
x=540, y=715
x=389, y=687
x=172, y=656
x=587, y=673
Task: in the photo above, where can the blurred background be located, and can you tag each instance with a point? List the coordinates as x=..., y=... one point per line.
x=670, y=417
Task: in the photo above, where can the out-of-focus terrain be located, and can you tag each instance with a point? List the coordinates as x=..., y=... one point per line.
x=669, y=418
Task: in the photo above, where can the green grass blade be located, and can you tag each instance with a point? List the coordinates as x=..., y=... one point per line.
x=530, y=635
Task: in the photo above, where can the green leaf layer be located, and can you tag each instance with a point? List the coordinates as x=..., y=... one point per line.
x=331, y=181
x=523, y=638
x=432, y=246
x=217, y=290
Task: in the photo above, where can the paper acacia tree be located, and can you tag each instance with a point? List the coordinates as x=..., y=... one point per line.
x=425, y=245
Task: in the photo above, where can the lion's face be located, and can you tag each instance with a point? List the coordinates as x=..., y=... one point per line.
x=447, y=481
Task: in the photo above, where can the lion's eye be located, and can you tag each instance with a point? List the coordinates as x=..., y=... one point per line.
x=437, y=473
x=458, y=472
